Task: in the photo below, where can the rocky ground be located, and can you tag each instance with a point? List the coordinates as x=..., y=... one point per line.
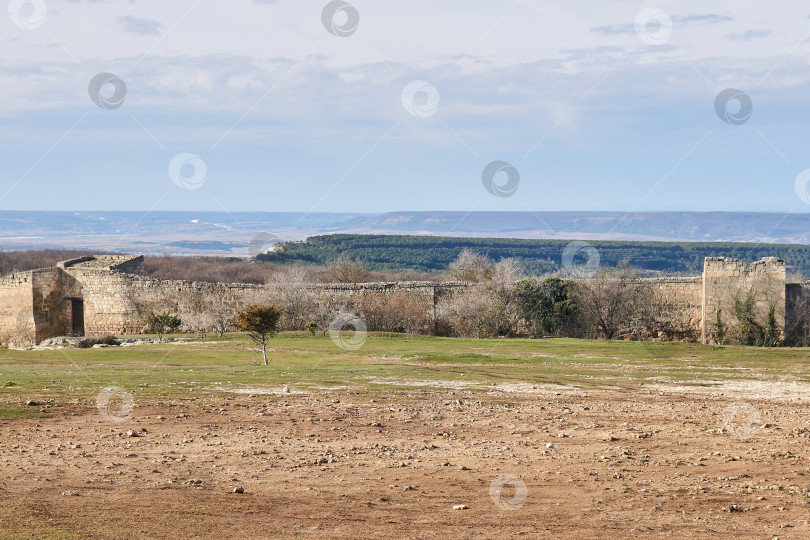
x=553, y=462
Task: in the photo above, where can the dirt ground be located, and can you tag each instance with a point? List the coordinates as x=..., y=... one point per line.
x=553, y=462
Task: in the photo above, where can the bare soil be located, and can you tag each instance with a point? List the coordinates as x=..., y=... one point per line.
x=603, y=463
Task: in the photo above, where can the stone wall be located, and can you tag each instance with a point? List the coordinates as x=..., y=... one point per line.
x=117, y=303
x=725, y=280
x=682, y=298
x=117, y=297
x=16, y=309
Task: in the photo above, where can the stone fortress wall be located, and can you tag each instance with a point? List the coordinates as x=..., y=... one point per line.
x=107, y=294
x=683, y=300
x=725, y=280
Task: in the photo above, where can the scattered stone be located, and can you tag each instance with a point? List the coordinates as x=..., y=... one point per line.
x=460, y=507
x=239, y=490
x=70, y=493
x=32, y=403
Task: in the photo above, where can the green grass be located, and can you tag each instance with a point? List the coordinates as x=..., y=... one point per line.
x=301, y=361
x=9, y=412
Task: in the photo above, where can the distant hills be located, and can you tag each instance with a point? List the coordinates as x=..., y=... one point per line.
x=224, y=233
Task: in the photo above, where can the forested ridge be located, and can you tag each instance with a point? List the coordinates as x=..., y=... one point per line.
x=434, y=254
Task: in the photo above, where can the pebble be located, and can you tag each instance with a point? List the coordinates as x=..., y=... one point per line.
x=239, y=490
x=460, y=507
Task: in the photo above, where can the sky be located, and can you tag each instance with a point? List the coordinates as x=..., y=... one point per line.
x=372, y=106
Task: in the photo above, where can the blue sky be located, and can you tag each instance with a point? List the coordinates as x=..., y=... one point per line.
x=599, y=105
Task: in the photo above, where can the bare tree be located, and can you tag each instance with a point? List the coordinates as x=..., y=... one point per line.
x=501, y=290
x=222, y=316
x=344, y=269
x=327, y=308
x=489, y=308
x=610, y=300
x=471, y=313
x=471, y=266
x=292, y=293
x=399, y=311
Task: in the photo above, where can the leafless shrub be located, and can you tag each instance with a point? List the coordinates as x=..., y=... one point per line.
x=211, y=269
x=610, y=301
x=490, y=308
x=471, y=266
x=22, y=261
x=470, y=313
x=344, y=269
x=399, y=311
x=291, y=293
x=327, y=308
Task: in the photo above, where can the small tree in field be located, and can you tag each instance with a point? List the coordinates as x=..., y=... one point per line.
x=164, y=323
x=261, y=323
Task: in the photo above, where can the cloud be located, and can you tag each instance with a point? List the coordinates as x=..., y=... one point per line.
x=682, y=20
x=708, y=18
x=749, y=35
x=141, y=27
x=613, y=30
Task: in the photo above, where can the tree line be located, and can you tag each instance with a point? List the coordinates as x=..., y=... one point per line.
x=538, y=257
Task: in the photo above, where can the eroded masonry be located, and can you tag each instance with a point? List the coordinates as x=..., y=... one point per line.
x=107, y=294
